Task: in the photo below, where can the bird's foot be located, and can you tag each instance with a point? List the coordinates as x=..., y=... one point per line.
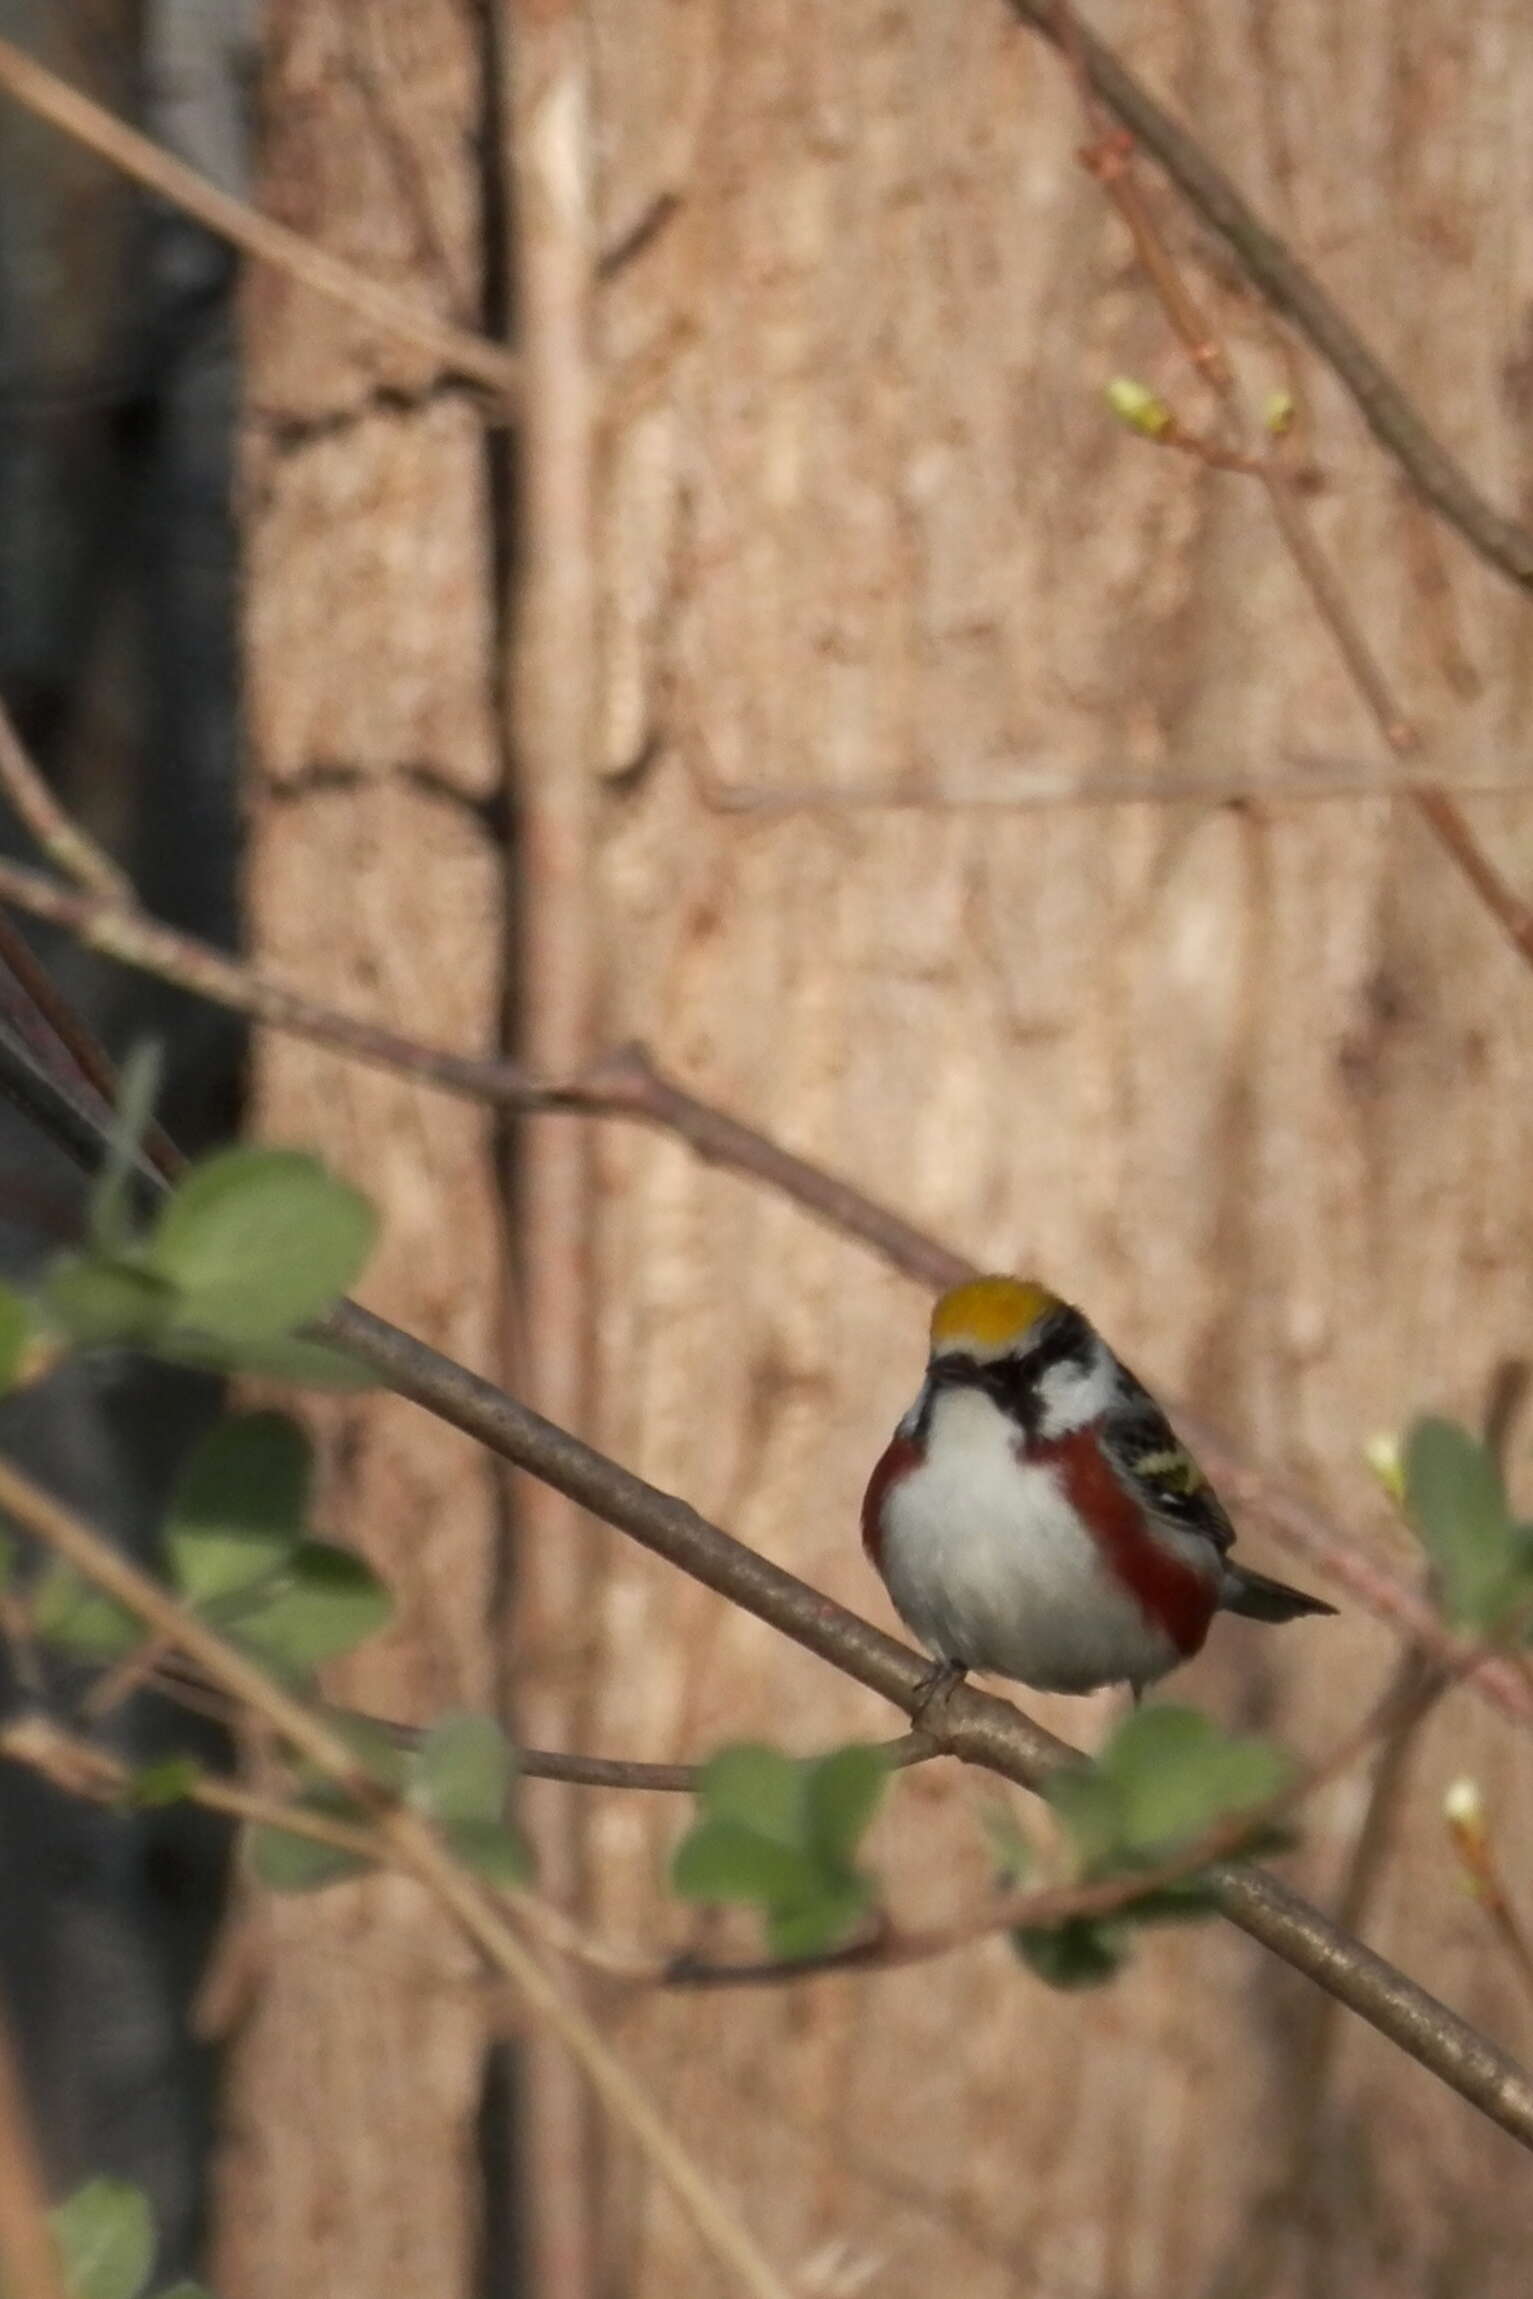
x=931, y=1695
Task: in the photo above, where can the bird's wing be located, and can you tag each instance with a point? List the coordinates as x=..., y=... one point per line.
x=1148, y=1454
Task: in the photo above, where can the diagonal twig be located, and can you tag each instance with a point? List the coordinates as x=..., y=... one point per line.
x=411, y=1845
x=1273, y=268
x=1110, y=158
x=976, y=1727
x=626, y=1084
x=148, y=163
x=28, y=2252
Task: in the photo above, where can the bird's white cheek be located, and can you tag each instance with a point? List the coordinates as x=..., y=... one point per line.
x=1071, y=1395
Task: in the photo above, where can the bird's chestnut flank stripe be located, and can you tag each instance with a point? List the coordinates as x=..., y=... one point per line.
x=901, y=1455
x=1176, y=1596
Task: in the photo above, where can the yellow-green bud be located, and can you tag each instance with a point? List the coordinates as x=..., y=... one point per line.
x=1140, y=409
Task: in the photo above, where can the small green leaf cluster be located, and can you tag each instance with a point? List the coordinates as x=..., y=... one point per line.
x=1165, y=1779
x=460, y=1776
x=240, y=1556
x=1481, y=1556
x=106, y=2244
x=778, y=1833
x=248, y=1248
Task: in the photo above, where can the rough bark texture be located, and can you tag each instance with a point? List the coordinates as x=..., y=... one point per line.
x=349, y=2157
x=1248, y=1082
x=1252, y=1084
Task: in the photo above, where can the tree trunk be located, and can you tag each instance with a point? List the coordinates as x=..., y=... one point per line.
x=1243, y=1079
x=372, y=633
x=1249, y=1082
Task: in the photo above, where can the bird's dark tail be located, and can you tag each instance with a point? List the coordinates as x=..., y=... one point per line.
x=1259, y=1598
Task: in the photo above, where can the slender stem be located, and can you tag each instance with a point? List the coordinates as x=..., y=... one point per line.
x=1272, y=266
x=61, y=838
x=626, y=1084
x=148, y=163
x=976, y=1726
x=1111, y=161
x=551, y=688
x=412, y=1846
x=28, y=2252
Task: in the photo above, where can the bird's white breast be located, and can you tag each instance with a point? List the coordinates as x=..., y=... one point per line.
x=989, y=1565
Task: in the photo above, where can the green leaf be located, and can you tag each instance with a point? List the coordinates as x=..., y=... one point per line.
x=320, y=1602
x=841, y=1794
x=1079, y=1954
x=68, y=1612
x=102, y=1304
x=1013, y=1853
x=15, y=1333
x=778, y=1831
x=376, y=1749
x=170, y=1781
x=756, y=1785
x=258, y=1241
x=1177, y=1774
x=287, y=1863
x=1457, y=1502
x=491, y=1848
x=1088, y=1805
x=462, y=1770
x=240, y=1507
x=138, y=1084
x=105, y=2236
x=807, y=1927
x=724, y=1859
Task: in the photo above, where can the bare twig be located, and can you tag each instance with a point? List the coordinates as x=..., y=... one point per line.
x=58, y=834
x=1471, y=1840
x=1289, y=288
x=411, y=1845
x=89, y=123
x=552, y=696
x=975, y=1726
x=626, y=1084
x=1111, y=160
x=1404, y=1702
x=28, y=2252
x=540, y=1763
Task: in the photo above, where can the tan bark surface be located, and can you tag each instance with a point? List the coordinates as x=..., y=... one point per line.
x=354, y=2086
x=1249, y=1082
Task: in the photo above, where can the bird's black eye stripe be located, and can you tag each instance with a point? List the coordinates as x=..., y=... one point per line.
x=1064, y=1338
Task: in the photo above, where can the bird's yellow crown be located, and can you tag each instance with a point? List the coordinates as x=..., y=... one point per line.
x=989, y=1315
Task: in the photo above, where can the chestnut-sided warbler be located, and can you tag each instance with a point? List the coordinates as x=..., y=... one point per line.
x=1035, y=1514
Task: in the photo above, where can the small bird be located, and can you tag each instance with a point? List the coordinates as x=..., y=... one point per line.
x=1036, y=1516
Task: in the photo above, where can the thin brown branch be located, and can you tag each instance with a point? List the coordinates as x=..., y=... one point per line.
x=75, y=114
x=1272, y=267
x=626, y=1084
x=548, y=157
x=1111, y=160
x=61, y=838
x=1404, y=1702
x=538, y=1763
x=1471, y=1838
x=1256, y=2257
x=1296, y=779
x=977, y=1727
x=411, y=1845
x=28, y=2252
